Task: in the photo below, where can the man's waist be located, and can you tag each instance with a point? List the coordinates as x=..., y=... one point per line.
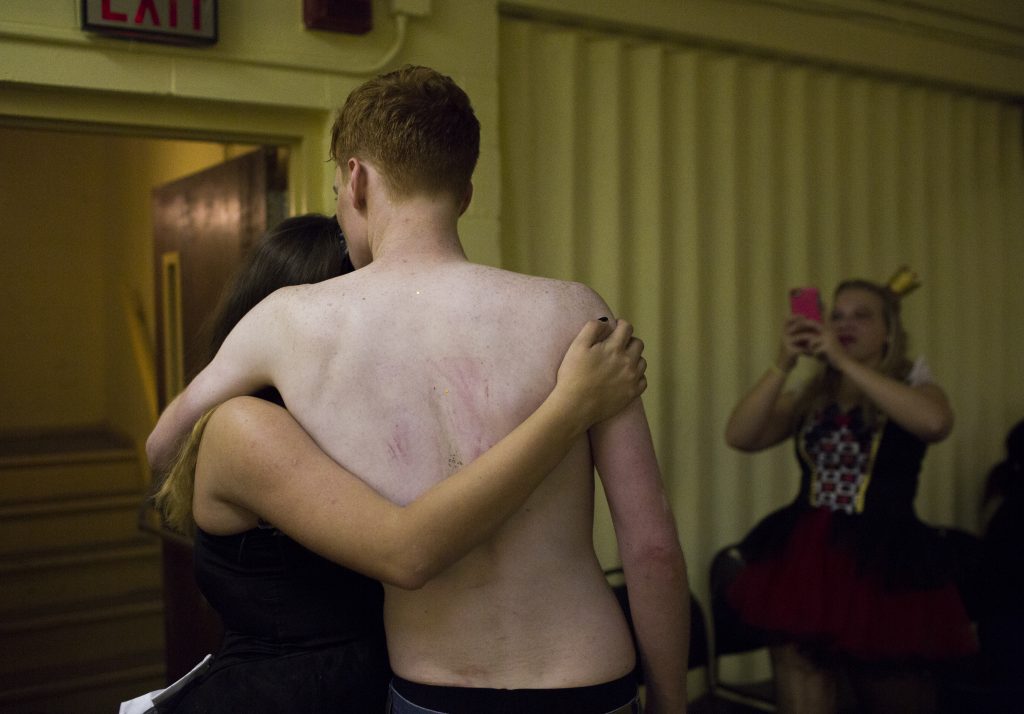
x=534, y=654
x=618, y=695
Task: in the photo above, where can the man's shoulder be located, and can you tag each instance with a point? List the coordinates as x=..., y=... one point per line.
x=568, y=292
x=297, y=311
x=303, y=297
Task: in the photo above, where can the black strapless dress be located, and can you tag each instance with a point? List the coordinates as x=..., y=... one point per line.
x=301, y=633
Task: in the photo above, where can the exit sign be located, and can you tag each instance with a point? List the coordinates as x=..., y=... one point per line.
x=189, y=22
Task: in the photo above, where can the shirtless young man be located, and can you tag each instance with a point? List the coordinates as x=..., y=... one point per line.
x=415, y=364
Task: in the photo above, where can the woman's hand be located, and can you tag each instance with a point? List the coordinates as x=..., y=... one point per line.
x=797, y=334
x=601, y=373
x=824, y=344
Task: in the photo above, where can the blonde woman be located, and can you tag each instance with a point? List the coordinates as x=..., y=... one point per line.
x=846, y=577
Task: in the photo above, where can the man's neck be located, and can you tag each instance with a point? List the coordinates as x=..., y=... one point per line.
x=422, y=228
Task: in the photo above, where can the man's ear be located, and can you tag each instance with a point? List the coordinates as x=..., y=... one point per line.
x=466, y=198
x=356, y=186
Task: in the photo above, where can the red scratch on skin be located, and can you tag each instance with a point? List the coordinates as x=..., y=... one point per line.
x=465, y=376
x=399, y=442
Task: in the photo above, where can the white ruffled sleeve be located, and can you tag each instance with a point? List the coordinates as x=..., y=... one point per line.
x=920, y=373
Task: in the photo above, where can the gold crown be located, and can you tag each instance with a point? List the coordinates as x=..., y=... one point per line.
x=903, y=282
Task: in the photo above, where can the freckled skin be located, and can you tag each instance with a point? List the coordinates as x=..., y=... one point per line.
x=444, y=382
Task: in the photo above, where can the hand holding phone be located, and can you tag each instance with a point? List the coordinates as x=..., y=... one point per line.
x=806, y=302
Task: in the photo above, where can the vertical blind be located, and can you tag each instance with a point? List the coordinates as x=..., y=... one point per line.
x=692, y=187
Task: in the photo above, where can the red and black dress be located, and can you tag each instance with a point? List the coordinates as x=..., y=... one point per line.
x=847, y=568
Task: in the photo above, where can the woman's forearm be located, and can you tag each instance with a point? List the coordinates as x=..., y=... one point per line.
x=924, y=411
x=263, y=461
x=459, y=513
x=755, y=421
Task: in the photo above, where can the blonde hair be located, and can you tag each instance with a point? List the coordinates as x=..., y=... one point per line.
x=174, y=497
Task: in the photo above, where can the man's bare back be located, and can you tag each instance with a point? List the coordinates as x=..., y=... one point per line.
x=418, y=362
x=434, y=364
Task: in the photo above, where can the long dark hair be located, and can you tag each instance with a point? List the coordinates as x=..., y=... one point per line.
x=298, y=250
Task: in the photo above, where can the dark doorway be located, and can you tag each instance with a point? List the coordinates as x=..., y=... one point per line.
x=202, y=226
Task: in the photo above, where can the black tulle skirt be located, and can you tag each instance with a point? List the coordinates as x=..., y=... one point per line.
x=815, y=588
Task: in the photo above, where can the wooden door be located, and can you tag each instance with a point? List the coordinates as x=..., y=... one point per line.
x=203, y=224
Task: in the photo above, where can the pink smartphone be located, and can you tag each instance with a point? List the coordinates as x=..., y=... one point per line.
x=806, y=302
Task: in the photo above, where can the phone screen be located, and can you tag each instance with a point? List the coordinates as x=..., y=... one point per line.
x=807, y=302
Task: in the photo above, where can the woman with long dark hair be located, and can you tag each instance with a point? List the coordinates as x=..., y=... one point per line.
x=274, y=519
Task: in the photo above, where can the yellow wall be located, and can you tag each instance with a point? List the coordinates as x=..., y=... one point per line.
x=268, y=80
x=969, y=43
x=693, y=186
x=269, y=77
x=77, y=239
x=52, y=277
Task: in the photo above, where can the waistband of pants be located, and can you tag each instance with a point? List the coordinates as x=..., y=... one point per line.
x=616, y=697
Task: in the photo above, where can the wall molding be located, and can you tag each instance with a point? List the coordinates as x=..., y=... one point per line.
x=921, y=41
